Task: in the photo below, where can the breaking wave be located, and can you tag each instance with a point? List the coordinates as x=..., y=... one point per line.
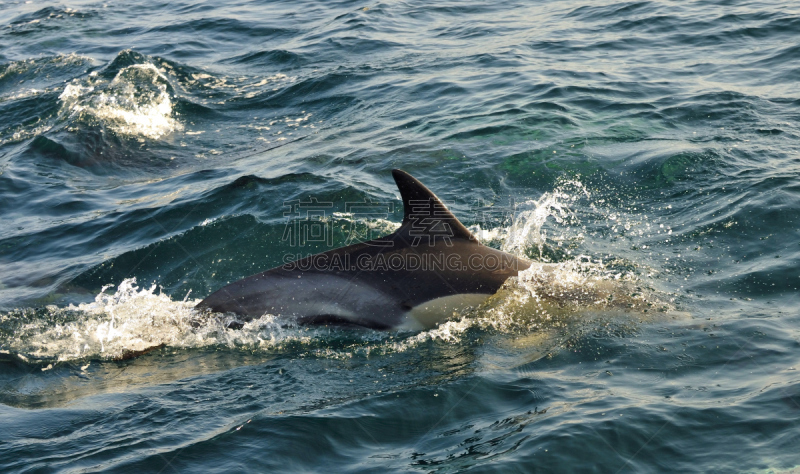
x=136, y=102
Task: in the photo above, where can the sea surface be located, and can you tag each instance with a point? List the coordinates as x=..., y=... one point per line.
x=152, y=151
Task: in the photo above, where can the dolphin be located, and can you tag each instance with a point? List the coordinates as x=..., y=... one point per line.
x=412, y=279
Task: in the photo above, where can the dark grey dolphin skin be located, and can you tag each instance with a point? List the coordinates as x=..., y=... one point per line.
x=412, y=279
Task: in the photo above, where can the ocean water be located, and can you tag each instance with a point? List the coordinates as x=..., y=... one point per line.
x=152, y=152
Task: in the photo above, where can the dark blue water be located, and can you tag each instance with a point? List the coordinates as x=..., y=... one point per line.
x=151, y=153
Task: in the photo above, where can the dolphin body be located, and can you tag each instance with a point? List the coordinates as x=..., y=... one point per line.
x=412, y=279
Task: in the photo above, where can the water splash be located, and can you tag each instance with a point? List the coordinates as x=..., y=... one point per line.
x=136, y=103
x=528, y=230
x=128, y=321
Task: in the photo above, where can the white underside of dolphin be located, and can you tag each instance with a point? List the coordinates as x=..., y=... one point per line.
x=414, y=278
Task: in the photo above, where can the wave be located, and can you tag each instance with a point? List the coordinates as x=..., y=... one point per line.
x=136, y=102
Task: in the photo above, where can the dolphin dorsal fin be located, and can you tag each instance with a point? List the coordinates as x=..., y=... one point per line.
x=424, y=215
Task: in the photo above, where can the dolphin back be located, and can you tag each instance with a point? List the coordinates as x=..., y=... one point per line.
x=429, y=261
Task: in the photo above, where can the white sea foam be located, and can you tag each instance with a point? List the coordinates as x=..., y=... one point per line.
x=135, y=103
